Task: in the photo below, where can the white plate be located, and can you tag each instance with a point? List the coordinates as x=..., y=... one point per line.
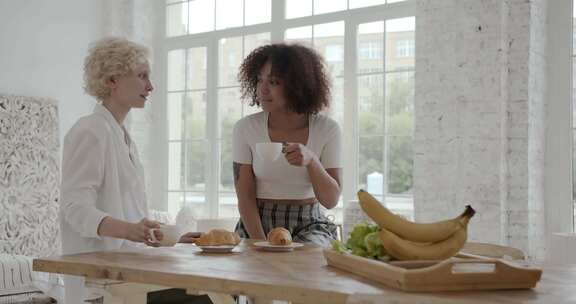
x=269, y=247
x=217, y=249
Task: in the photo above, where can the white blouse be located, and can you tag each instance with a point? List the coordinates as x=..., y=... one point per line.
x=279, y=179
x=101, y=176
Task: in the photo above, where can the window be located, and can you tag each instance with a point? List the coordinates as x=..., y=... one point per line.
x=205, y=43
x=328, y=40
x=385, y=113
x=334, y=53
x=186, y=108
x=302, y=8
x=405, y=48
x=370, y=50
x=200, y=16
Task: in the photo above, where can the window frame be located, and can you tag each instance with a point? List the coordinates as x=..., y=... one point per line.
x=352, y=19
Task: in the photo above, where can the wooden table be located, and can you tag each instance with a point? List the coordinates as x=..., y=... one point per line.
x=301, y=276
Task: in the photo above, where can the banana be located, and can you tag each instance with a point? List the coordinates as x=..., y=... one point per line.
x=408, y=230
x=406, y=250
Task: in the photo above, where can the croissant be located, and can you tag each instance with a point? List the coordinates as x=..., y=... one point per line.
x=279, y=236
x=216, y=237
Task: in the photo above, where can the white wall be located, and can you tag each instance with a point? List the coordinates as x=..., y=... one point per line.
x=42, y=47
x=482, y=111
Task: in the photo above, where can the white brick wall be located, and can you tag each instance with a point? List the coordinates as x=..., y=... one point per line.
x=480, y=86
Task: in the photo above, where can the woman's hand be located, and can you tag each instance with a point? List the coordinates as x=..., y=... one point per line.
x=298, y=154
x=140, y=232
x=190, y=237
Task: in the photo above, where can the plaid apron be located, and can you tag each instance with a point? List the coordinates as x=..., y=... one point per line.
x=306, y=223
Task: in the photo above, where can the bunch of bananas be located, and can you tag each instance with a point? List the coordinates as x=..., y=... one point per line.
x=407, y=240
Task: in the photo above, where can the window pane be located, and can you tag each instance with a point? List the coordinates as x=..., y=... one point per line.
x=371, y=165
x=176, y=19
x=174, y=108
x=371, y=105
x=400, y=100
x=400, y=46
x=229, y=59
x=176, y=70
x=257, y=11
x=228, y=205
x=393, y=1
x=226, y=178
x=195, y=113
x=329, y=42
x=175, y=172
x=371, y=47
x=401, y=163
x=196, y=68
x=337, y=105
x=230, y=110
x=364, y=3
x=251, y=42
x=299, y=34
x=298, y=8
x=195, y=152
x=327, y=6
x=229, y=13
x=201, y=14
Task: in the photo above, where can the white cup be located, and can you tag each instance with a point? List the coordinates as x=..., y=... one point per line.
x=171, y=235
x=269, y=151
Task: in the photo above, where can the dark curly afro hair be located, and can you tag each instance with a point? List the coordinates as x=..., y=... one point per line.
x=301, y=70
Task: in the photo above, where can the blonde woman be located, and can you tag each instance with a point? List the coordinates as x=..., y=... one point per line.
x=103, y=202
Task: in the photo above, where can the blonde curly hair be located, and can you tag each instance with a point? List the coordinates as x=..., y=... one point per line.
x=111, y=56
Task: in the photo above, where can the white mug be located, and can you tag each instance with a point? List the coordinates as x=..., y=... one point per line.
x=171, y=235
x=269, y=151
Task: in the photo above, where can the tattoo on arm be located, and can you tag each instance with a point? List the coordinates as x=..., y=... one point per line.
x=236, y=172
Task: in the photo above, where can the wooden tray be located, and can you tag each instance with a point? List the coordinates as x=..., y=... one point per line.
x=451, y=274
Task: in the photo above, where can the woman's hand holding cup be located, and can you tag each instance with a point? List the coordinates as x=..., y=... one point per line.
x=140, y=232
x=298, y=154
x=164, y=235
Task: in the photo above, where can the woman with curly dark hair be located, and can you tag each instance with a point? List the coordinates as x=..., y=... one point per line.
x=289, y=82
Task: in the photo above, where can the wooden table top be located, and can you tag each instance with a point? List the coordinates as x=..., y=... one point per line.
x=300, y=276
